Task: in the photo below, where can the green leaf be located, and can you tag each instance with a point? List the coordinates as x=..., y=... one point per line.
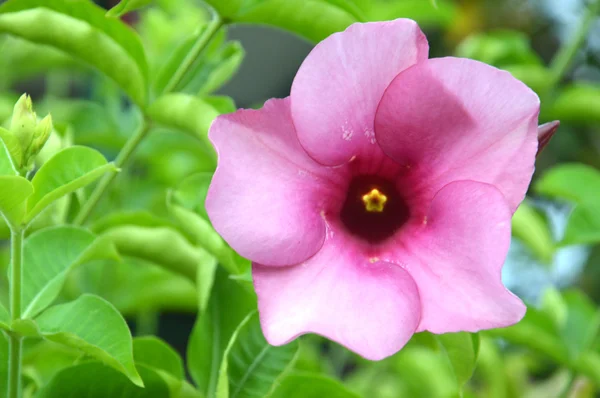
x=161, y=245
x=583, y=226
x=191, y=192
x=538, y=331
x=230, y=59
x=48, y=256
x=582, y=323
x=445, y=14
x=92, y=325
x=537, y=77
x=14, y=192
x=228, y=306
x=462, y=350
x=80, y=28
x=578, y=103
x=126, y=6
x=499, y=48
x=94, y=380
x=311, y=19
x=205, y=236
x=250, y=365
x=307, y=385
x=576, y=182
x=66, y=172
x=11, y=144
x=6, y=162
x=530, y=227
x=222, y=103
x=185, y=113
x=157, y=355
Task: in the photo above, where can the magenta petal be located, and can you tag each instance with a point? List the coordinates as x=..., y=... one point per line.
x=266, y=195
x=371, y=308
x=336, y=91
x=452, y=119
x=460, y=253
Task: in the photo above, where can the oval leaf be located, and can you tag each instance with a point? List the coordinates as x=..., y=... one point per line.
x=576, y=182
x=66, y=172
x=250, y=365
x=584, y=225
x=94, y=380
x=92, y=325
x=186, y=113
x=12, y=145
x=14, y=192
x=157, y=355
x=462, y=350
x=81, y=29
x=306, y=385
x=48, y=256
x=311, y=19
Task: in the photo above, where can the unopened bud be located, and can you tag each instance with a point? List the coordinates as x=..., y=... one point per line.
x=23, y=121
x=42, y=132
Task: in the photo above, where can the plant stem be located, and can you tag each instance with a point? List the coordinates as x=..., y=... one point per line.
x=120, y=161
x=565, y=56
x=135, y=139
x=194, y=53
x=14, y=341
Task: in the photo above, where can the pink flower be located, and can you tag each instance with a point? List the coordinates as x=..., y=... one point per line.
x=375, y=201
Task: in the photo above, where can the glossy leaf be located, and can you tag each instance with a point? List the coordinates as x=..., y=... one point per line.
x=307, y=385
x=228, y=306
x=126, y=6
x=95, y=327
x=157, y=355
x=462, y=350
x=66, y=172
x=584, y=224
x=14, y=192
x=311, y=19
x=531, y=228
x=251, y=366
x=81, y=29
x=186, y=113
x=95, y=380
x=48, y=256
x=576, y=182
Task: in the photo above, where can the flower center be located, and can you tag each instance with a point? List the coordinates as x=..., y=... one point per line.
x=374, y=200
x=374, y=209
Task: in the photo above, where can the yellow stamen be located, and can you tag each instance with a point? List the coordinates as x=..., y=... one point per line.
x=374, y=201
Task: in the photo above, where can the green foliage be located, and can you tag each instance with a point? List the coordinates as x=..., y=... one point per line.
x=13, y=198
x=155, y=354
x=531, y=228
x=80, y=29
x=228, y=306
x=311, y=19
x=48, y=256
x=125, y=6
x=250, y=365
x=95, y=327
x=94, y=380
x=307, y=385
x=462, y=350
x=66, y=172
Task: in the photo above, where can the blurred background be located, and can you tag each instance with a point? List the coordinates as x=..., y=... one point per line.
x=554, y=261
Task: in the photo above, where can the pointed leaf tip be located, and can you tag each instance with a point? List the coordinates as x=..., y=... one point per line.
x=545, y=133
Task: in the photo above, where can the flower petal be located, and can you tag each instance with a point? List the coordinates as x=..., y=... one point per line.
x=452, y=119
x=458, y=260
x=371, y=308
x=337, y=88
x=266, y=195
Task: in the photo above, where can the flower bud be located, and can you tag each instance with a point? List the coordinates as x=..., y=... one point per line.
x=23, y=121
